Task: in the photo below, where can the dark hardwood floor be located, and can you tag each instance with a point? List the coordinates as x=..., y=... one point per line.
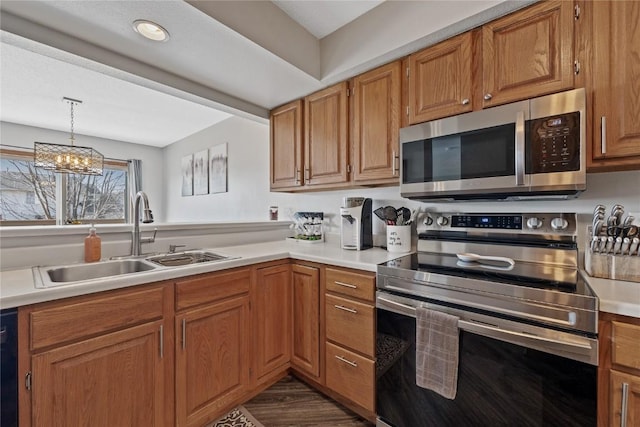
x=290, y=402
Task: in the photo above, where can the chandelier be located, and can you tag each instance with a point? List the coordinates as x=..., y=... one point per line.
x=68, y=158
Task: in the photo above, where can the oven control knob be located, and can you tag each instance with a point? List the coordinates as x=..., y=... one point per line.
x=428, y=220
x=442, y=221
x=534, y=223
x=559, y=224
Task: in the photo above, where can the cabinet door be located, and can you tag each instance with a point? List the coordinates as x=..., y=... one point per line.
x=286, y=146
x=212, y=360
x=625, y=399
x=325, y=143
x=440, y=80
x=112, y=380
x=272, y=319
x=306, y=319
x=375, y=124
x=528, y=53
x=616, y=82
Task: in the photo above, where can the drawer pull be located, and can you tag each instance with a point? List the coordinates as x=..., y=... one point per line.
x=624, y=406
x=346, y=285
x=161, y=333
x=342, y=307
x=349, y=362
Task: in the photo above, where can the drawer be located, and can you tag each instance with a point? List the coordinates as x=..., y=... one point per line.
x=211, y=287
x=351, y=375
x=350, y=324
x=625, y=345
x=356, y=285
x=87, y=316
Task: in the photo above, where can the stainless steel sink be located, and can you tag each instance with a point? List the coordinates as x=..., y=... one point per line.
x=57, y=276
x=46, y=277
x=186, y=258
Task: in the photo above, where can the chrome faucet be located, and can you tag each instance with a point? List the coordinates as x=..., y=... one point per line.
x=136, y=241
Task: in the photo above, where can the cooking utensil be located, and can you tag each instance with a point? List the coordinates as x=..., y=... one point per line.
x=634, y=245
x=595, y=244
x=599, y=208
x=390, y=214
x=380, y=214
x=469, y=257
x=628, y=220
x=612, y=221
x=404, y=215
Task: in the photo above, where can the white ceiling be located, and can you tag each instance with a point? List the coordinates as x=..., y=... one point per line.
x=223, y=57
x=322, y=18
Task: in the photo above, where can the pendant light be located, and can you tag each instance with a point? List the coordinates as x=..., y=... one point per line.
x=68, y=158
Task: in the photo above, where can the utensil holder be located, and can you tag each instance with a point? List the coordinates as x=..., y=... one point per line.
x=399, y=238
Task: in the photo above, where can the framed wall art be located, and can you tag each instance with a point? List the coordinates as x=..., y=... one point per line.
x=218, y=169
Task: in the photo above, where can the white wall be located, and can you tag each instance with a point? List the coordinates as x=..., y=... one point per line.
x=24, y=136
x=249, y=197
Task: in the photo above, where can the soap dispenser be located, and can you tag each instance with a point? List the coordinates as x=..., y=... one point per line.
x=92, y=246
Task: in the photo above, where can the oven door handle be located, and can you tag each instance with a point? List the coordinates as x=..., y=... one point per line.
x=580, y=347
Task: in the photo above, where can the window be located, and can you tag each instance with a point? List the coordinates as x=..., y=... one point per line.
x=30, y=196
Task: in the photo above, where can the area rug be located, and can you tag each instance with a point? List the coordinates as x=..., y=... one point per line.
x=237, y=417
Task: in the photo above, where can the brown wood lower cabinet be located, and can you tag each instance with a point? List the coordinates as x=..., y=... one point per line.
x=271, y=296
x=351, y=375
x=183, y=352
x=112, y=380
x=305, y=352
x=350, y=336
x=619, y=371
x=98, y=360
x=212, y=346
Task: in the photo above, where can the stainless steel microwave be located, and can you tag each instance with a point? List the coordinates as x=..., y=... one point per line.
x=532, y=149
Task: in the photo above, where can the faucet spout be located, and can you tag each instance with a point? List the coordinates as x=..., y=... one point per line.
x=136, y=241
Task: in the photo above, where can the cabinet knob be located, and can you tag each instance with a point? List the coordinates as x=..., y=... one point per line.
x=487, y=96
x=465, y=101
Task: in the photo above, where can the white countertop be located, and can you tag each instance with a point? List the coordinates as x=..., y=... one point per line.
x=616, y=296
x=17, y=286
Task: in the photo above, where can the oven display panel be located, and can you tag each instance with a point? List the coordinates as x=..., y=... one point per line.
x=508, y=222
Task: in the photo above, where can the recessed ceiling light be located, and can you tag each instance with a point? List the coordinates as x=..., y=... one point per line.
x=150, y=30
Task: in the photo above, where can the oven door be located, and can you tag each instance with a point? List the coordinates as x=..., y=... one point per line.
x=503, y=380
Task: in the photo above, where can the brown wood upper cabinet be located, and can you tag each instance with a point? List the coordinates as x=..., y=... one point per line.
x=615, y=37
x=349, y=135
x=440, y=79
x=325, y=136
x=286, y=160
x=375, y=124
x=522, y=55
x=528, y=53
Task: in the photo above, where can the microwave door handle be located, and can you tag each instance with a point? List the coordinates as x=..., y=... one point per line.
x=520, y=151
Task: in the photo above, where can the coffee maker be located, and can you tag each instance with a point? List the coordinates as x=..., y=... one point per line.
x=355, y=227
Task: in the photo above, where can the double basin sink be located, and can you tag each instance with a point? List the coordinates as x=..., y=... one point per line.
x=46, y=277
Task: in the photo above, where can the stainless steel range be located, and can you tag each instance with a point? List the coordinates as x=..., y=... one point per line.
x=527, y=323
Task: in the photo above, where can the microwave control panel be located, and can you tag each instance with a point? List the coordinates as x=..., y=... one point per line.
x=554, y=144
